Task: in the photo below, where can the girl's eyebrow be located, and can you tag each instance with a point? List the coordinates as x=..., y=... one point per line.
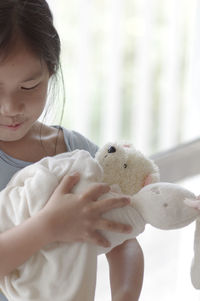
x=33, y=77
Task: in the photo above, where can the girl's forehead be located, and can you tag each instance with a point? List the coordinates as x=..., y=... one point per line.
x=19, y=54
x=20, y=62
x=19, y=67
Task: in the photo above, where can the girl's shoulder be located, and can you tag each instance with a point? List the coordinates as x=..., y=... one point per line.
x=75, y=140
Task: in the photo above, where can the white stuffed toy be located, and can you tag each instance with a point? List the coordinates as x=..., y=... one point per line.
x=67, y=272
x=127, y=167
x=118, y=166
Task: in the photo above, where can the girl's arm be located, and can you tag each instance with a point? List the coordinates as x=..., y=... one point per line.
x=65, y=218
x=126, y=263
x=19, y=243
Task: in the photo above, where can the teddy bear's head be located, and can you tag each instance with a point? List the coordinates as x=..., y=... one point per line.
x=127, y=167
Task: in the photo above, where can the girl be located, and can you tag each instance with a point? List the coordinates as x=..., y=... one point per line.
x=29, y=58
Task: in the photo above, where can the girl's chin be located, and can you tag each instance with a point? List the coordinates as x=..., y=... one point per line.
x=11, y=135
x=10, y=139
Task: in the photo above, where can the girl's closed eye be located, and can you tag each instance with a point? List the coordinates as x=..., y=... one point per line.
x=30, y=88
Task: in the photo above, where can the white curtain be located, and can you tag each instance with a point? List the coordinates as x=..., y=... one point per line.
x=132, y=70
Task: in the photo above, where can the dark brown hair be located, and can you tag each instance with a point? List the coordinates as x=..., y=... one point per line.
x=33, y=22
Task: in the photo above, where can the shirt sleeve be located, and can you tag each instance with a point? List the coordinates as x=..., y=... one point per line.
x=75, y=140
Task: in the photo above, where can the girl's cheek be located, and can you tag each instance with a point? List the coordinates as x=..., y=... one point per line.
x=36, y=95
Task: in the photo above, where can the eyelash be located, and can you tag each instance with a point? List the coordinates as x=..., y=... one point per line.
x=32, y=88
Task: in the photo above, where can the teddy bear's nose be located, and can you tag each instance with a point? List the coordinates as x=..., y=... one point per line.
x=111, y=149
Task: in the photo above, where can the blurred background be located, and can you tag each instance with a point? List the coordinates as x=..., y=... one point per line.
x=132, y=74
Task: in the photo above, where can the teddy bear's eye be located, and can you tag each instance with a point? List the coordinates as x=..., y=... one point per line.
x=125, y=165
x=111, y=149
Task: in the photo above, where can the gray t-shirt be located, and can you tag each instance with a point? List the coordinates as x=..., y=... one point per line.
x=9, y=166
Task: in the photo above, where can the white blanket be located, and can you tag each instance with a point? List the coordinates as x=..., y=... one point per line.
x=60, y=271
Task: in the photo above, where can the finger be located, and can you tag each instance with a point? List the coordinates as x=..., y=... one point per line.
x=108, y=225
x=98, y=239
x=68, y=182
x=95, y=191
x=105, y=205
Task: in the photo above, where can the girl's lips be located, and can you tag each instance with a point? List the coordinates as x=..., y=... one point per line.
x=12, y=126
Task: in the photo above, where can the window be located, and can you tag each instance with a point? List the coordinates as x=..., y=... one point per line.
x=131, y=70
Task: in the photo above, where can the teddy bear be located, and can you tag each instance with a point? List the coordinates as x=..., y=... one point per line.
x=115, y=161
x=67, y=272
x=127, y=167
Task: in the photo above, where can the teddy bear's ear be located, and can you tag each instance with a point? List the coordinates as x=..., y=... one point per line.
x=147, y=180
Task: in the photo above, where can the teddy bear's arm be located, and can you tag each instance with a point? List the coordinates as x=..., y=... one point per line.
x=195, y=268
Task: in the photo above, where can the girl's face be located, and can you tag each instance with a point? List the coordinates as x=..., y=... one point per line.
x=23, y=91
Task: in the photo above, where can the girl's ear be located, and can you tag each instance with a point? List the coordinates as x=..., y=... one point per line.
x=147, y=180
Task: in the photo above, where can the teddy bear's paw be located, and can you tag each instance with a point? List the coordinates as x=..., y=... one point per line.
x=194, y=203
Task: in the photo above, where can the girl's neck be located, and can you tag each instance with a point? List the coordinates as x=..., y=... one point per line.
x=40, y=142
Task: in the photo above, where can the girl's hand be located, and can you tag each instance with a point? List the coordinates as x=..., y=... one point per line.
x=71, y=217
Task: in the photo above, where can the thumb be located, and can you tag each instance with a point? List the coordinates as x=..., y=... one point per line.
x=68, y=182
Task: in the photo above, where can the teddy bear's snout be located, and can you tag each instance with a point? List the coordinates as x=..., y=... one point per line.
x=111, y=149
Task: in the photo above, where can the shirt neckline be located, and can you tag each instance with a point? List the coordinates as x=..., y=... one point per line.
x=21, y=163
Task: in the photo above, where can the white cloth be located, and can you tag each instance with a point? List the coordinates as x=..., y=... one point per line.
x=60, y=271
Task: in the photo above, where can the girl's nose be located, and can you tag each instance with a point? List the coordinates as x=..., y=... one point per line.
x=11, y=107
